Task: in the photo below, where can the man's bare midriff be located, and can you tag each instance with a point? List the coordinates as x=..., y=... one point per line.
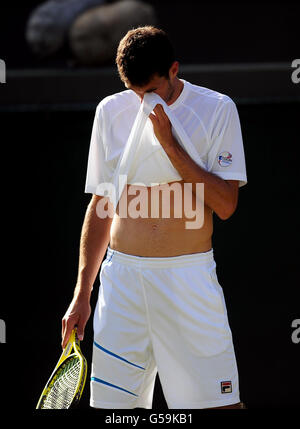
x=160, y=236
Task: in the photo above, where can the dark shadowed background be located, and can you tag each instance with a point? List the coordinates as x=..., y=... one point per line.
x=244, y=49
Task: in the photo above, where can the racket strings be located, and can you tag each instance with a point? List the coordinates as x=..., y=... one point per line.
x=63, y=390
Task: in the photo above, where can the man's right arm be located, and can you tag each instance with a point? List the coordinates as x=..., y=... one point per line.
x=95, y=236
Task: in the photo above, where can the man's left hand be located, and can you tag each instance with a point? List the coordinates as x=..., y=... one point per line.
x=162, y=126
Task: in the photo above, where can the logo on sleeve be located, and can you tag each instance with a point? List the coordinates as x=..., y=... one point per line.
x=226, y=387
x=225, y=159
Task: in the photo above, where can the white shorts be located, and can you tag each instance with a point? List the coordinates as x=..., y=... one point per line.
x=164, y=314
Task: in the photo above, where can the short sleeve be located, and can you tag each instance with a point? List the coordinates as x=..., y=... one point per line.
x=226, y=157
x=98, y=170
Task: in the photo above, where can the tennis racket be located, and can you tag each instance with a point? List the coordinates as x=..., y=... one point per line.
x=65, y=386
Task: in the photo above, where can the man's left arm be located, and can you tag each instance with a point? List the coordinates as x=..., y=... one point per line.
x=219, y=194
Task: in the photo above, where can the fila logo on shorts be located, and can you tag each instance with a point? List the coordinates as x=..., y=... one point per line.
x=226, y=387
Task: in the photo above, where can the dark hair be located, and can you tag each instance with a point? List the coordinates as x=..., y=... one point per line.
x=142, y=53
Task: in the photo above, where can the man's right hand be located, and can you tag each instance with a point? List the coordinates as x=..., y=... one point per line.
x=77, y=314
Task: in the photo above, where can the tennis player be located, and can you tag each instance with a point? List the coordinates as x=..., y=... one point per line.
x=160, y=306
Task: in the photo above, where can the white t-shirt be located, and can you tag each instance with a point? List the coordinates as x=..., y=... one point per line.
x=209, y=118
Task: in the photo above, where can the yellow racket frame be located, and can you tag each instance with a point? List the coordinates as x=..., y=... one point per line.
x=73, y=343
